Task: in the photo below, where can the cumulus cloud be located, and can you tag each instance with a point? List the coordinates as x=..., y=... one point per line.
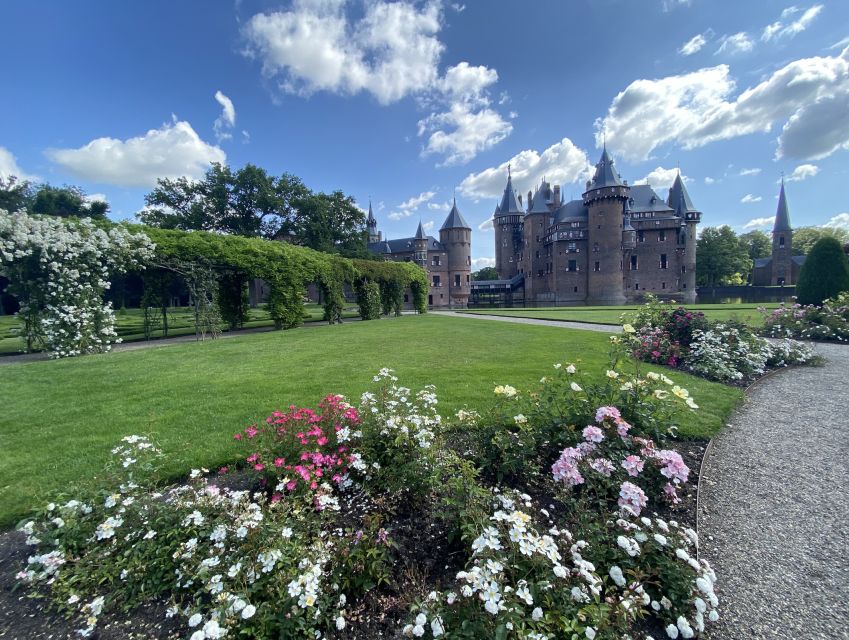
x=227, y=119
x=562, y=163
x=411, y=205
x=9, y=167
x=669, y=5
x=709, y=180
x=660, y=178
x=480, y=263
x=96, y=197
x=486, y=225
x=787, y=28
x=428, y=226
x=803, y=172
x=808, y=96
x=171, y=151
x=840, y=221
x=750, y=172
x=693, y=45
x=749, y=198
x=760, y=223
x=737, y=43
x=391, y=52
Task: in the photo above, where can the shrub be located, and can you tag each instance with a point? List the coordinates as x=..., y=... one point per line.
x=825, y=273
x=368, y=300
x=827, y=322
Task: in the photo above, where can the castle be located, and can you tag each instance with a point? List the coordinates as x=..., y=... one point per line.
x=614, y=244
x=448, y=261
x=782, y=268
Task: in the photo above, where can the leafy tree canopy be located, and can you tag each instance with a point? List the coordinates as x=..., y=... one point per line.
x=487, y=273
x=719, y=256
x=824, y=274
x=45, y=199
x=804, y=238
x=250, y=202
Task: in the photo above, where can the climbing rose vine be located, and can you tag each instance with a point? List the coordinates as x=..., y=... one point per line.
x=59, y=269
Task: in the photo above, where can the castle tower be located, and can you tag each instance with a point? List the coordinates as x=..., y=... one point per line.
x=371, y=226
x=782, y=243
x=679, y=201
x=420, y=247
x=456, y=235
x=535, y=223
x=605, y=200
x=507, y=222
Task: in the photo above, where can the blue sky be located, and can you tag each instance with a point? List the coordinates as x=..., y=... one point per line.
x=410, y=103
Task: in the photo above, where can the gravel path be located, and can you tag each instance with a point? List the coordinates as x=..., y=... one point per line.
x=774, y=519
x=563, y=324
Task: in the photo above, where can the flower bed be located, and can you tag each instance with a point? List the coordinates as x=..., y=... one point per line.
x=829, y=322
x=725, y=351
x=535, y=518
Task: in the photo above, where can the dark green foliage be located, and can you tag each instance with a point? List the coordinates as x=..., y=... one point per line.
x=233, y=298
x=368, y=300
x=804, y=238
x=824, y=274
x=14, y=194
x=44, y=199
x=719, y=256
x=487, y=273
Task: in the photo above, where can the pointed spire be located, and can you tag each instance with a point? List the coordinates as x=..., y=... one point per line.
x=782, y=214
x=420, y=234
x=605, y=173
x=455, y=219
x=679, y=199
x=509, y=202
x=371, y=221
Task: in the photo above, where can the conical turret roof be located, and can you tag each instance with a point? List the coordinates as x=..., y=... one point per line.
x=455, y=219
x=371, y=221
x=509, y=202
x=539, y=203
x=605, y=173
x=679, y=200
x=782, y=214
x=420, y=234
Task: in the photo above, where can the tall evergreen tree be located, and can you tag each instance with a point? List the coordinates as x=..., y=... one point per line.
x=824, y=274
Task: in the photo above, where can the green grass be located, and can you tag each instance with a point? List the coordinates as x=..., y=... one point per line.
x=61, y=418
x=129, y=324
x=746, y=312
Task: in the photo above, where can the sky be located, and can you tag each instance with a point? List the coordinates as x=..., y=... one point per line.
x=410, y=104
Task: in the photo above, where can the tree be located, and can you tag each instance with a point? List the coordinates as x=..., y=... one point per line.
x=804, y=238
x=15, y=194
x=66, y=202
x=824, y=274
x=757, y=245
x=331, y=223
x=719, y=256
x=487, y=273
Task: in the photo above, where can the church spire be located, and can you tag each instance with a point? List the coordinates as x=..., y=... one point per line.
x=782, y=214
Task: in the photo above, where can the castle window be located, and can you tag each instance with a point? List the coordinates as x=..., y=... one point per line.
x=663, y=261
x=575, y=289
x=641, y=236
x=456, y=279
x=436, y=281
x=637, y=286
x=781, y=241
x=435, y=261
x=468, y=259
x=467, y=279
x=663, y=285
x=661, y=236
x=573, y=265
x=683, y=268
x=597, y=266
x=572, y=246
x=504, y=242
x=633, y=263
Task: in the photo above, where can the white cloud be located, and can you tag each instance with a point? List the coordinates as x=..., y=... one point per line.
x=840, y=44
x=486, y=225
x=459, y=8
x=737, y=43
x=808, y=95
x=760, y=223
x=781, y=28
x=562, y=163
x=428, y=226
x=802, y=172
x=480, y=263
x=172, y=151
x=693, y=45
x=227, y=119
x=709, y=180
x=750, y=172
x=96, y=197
x=660, y=178
x=411, y=205
x=749, y=198
x=9, y=167
x=391, y=52
x=669, y=5
x=439, y=206
x=840, y=221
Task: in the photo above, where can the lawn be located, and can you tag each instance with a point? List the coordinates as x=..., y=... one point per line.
x=746, y=312
x=129, y=324
x=61, y=418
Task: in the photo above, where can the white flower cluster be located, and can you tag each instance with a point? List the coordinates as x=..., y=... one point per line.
x=402, y=413
x=59, y=270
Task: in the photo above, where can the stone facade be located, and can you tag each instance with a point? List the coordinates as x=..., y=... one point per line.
x=613, y=245
x=448, y=261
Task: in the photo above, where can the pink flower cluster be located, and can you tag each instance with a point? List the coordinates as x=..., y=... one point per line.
x=631, y=496
x=301, y=445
